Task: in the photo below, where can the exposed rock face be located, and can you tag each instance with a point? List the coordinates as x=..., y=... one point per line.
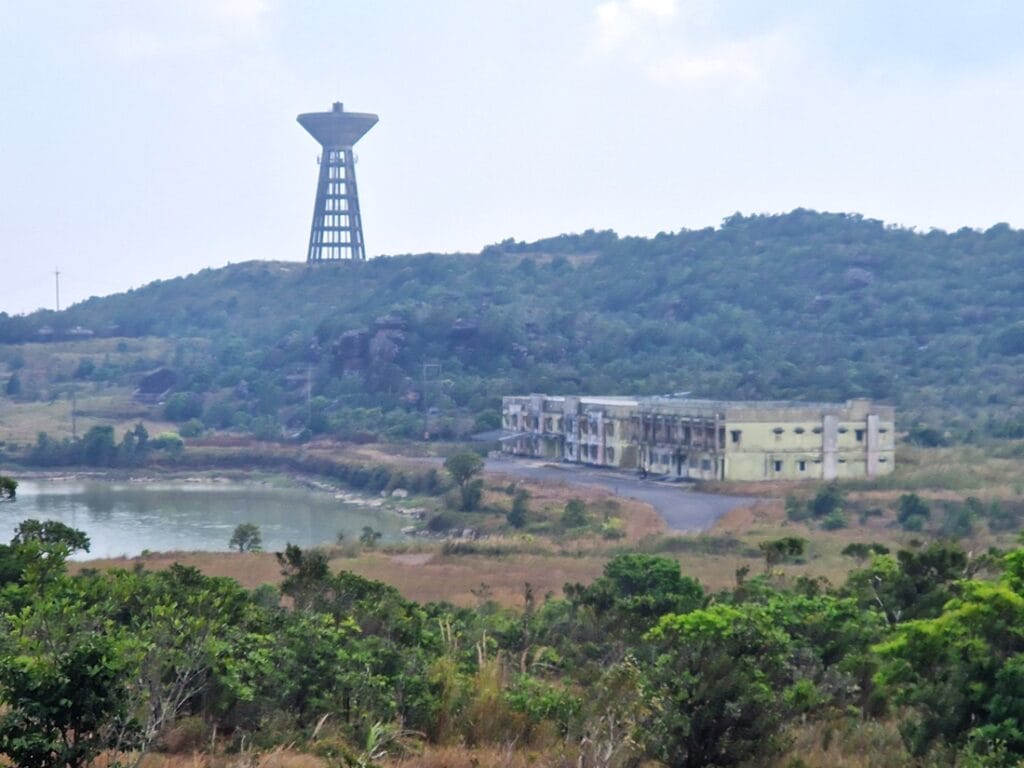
x=384, y=347
x=156, y=384
x=361, y=349
x=350, y=349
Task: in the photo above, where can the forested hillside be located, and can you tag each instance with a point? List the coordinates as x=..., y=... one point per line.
x=804, y=305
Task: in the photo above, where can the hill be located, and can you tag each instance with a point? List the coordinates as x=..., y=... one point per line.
x=803, y=305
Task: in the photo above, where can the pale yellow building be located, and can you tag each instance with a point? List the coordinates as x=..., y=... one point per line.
x=684, y=438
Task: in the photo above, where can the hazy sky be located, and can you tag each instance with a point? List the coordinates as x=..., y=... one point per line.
x=143, y=140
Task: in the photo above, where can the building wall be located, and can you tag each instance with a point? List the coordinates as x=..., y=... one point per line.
x=702, y=439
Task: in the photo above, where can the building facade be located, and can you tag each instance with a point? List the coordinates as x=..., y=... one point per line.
x=685, y=438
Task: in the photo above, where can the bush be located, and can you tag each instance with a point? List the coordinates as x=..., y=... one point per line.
x=829, y=499
x=575, y=514
x=834, y=521
x=796, y=510
x=182, y=406
x=520, y=507
x=912, y=512
x=168, y=441
x=191, y=428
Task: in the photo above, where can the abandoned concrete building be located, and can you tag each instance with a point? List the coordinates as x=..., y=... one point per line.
x=685, y=438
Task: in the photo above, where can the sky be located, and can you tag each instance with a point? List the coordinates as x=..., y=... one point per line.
x=146, y=139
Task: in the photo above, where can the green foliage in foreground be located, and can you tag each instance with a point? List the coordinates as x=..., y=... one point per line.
x=643, y=663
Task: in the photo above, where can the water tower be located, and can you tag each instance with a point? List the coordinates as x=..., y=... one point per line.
x=337, y=231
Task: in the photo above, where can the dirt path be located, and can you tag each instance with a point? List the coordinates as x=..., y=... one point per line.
x=682, y=508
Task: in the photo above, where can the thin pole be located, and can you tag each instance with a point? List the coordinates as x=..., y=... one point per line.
x=56, y=275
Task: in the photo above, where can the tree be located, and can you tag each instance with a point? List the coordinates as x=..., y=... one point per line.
x=98, y=446
x=49, y=533
x=861, y=552
x=63, y=705
x=369, y=537
x=777, y=551
x=13, y=386
x=912, y=512
x=464, y=468
x=8, y=488
x=520, y=507
x=716, y=685
x=246, y=538
x=962, y=672
x=828, y=500
x=636, y=590
x=575, y=514
x=182, y=406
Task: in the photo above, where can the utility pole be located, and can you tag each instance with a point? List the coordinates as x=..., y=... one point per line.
x=309, y=395
x=74, y=414
x=428, y=370
x=56, y=275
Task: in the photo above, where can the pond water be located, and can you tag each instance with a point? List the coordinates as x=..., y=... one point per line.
x=125, y=518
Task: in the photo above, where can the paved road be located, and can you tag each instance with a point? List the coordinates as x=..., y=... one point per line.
x=682, y=508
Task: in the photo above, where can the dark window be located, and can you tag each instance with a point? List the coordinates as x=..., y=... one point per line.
x=860, y=435
x=778, y=465
x=802, y=465
x=609, y=455
x=799, y=430
x=735, y=435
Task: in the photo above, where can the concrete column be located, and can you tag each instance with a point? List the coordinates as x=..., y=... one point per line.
x=829, y=447
x=871, y=445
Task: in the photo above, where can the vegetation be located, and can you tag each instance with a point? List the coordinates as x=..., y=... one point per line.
x=246, y=538
x=643, y=663
x=931, y=322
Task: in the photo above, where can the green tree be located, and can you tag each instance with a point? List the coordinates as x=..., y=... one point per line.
x=962, y=672
x=464, y=467
x=575, y=514
x=777, y=551
x=51, y=533
x=862, y=552
x=637, y=589
x=98, y=446
x=8, y=488
x=828, y=500
x=715, y=687
x=913, y=512
x=369, y=537
x=246, y=538
x=182, y=406
x=520, y=508
x=63, y=704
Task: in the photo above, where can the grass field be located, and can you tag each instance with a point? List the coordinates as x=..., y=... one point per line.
x=47, y=375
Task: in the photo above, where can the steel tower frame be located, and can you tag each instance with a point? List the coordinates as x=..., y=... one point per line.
x=336, y=233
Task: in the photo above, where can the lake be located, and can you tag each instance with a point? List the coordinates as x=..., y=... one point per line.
x=125, y=518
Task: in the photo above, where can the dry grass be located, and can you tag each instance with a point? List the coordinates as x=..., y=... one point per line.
x=47, y=373
x=422, y=576
x=847, y=744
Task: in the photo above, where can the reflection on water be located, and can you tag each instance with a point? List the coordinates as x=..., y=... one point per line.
x=126, y=518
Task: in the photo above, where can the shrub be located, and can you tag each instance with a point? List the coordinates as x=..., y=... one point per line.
x=912, y=512
x=796, y=510
x=191, y=428
x=834, y=521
